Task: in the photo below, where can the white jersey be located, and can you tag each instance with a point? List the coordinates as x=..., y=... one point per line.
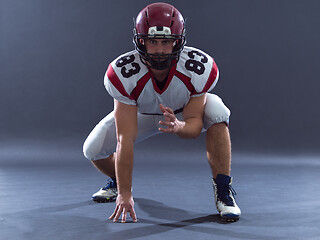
x=130, y=81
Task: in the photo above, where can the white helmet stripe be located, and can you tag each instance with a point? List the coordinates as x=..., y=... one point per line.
x=159, y=31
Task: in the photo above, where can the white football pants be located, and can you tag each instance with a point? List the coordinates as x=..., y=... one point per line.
x=102, y=141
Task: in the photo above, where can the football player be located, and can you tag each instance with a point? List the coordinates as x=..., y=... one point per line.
x=161, y=87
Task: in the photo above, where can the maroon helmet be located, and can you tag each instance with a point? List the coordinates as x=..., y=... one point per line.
x=159, y=20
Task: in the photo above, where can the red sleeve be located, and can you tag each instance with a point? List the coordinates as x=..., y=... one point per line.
x=114, y=79
x=212, y=77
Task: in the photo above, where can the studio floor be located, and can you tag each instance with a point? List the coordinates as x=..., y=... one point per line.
x=41, y=198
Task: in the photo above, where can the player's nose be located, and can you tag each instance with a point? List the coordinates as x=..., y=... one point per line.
x=159, y=49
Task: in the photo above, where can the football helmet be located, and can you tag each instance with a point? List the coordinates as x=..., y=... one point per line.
x=159, y=20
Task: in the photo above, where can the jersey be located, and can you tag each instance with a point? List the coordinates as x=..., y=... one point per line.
x=130, y=81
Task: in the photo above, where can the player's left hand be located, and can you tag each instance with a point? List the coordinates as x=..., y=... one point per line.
x=170, y=120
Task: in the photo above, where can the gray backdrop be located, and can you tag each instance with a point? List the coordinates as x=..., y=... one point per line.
x=54, y=54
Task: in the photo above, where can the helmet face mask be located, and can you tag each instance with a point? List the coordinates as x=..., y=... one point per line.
x=159, y=21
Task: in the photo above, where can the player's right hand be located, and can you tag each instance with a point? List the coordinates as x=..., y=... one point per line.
x=170, y=121
x=124, y=204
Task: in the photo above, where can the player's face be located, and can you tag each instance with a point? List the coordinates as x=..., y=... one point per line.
x=159, y=46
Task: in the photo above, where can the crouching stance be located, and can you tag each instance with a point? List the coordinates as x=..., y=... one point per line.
x=161, y=87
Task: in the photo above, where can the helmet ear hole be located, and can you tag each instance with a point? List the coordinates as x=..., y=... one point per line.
x=141, y=41
x=175, y=43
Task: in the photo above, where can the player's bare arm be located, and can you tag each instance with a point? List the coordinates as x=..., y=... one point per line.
x=192, y=124
x=126, y=125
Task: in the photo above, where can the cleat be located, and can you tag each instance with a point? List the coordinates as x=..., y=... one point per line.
x=108, y=193
x=224, y=198
x=230, y=218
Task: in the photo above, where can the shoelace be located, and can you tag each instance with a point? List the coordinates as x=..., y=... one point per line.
x=224, y=195
x=110, y=184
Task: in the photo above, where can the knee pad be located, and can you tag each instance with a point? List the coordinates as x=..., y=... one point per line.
x=93, y=149
x=215, y=111
x=101, y=142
